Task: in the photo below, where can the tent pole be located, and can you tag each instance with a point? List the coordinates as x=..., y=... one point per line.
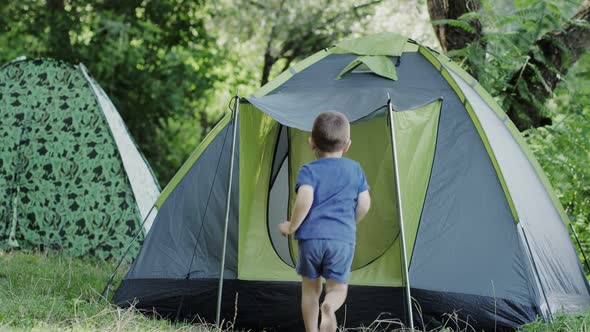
x=106, y=287
x=236, y=112
x=532, y=259
x=580, y=246
x=400, y=212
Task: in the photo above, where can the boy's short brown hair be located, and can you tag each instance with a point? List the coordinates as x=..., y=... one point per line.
x=331, y=131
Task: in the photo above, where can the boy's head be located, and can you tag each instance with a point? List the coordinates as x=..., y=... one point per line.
x=331, y=132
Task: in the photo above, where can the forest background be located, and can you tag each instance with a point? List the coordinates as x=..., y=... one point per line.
x=171, y=66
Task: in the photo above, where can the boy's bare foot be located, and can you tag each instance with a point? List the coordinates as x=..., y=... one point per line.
x=329, y=323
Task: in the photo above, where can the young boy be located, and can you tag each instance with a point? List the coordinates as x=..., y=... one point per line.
x=332, y=197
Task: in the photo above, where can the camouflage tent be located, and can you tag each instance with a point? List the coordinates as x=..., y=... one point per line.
x=71, y=177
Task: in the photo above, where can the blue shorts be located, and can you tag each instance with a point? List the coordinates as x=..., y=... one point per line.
x=331, y=259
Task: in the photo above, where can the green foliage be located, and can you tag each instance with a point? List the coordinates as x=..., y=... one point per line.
x=156, y=66
x=507, y=61
x=510, y=31
x=155, y=60
x=46, y=292
x=462, y=23
x=563, y=149
x=561, y=323
x=170, y=66
x=280, y=32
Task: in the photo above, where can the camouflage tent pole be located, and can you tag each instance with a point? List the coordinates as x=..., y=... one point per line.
x=236, y=111
x=400, y=213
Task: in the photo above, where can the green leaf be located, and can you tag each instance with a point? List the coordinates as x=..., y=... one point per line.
x=524, y=3
x=455, y=23
x=470, y=16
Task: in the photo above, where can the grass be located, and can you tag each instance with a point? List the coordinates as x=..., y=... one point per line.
x=50, y=293
x=564, y=323
x=54, y=293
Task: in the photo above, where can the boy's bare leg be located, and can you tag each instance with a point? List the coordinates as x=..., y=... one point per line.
x=335, y=296
x=311, y=289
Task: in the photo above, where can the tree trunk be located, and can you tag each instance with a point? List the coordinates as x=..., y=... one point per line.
x=303, y=40
x=560, y=50
x=450, y=37
x=269, y=61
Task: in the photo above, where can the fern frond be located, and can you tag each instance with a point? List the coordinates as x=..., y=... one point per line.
x=525, y=13
x=555, y=24
x=455, y=23
x=553, y=8
x=540, y=57
x=469, y=16
x=540, y=77
x=580, y=23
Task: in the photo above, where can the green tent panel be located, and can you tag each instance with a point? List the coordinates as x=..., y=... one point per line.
x=71, y=177
x=384, y=43
x=379, y=235
x=484, y=232
x=378, y=64
x=256, y=258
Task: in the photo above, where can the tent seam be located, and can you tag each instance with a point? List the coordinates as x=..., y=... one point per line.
x=191, y=160
x=481, y=133
x=86, y=76
x=427, y=186
x=207, y=204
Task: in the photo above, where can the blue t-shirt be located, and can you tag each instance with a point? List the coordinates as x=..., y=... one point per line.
x=337, y=183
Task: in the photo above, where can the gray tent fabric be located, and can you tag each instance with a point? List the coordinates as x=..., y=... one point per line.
x=281, y=151
x=298, y=101
x=460, y=210
x=461, y=220
x=561, y=273
x=465, y=213
x=278, y=199
x=278, y=204
x=469, y=254
x=186, y=236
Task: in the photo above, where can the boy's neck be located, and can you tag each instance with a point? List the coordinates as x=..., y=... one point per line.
x=335, y=154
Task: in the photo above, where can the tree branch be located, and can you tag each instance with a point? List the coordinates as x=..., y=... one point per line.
x=548, y=62
x=269, y=59
x=367, y=4
x=257, y=4
x=303, y=39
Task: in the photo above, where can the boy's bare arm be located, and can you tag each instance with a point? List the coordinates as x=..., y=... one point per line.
x=363, y=204
x=303, y=203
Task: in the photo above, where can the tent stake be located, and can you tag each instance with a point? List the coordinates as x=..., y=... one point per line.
x=400, y=212
x=227, y=208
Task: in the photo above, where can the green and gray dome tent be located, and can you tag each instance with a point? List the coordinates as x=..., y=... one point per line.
x=486, y=237
x=71, y=177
